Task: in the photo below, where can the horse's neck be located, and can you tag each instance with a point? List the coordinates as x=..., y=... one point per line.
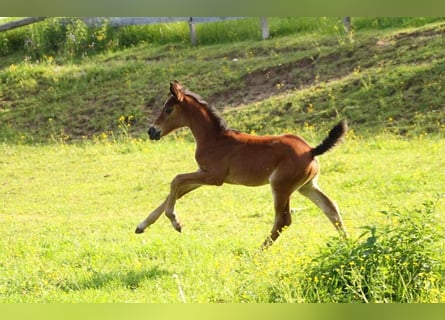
x=204, y=127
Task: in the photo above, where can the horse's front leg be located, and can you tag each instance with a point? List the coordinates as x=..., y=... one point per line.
x=152, y=217
x=182, y=184
x=171, y=201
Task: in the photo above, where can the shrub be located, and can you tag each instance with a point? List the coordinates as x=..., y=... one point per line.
x=398, y=262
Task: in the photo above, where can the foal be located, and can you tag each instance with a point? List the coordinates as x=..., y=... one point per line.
x=223, y=155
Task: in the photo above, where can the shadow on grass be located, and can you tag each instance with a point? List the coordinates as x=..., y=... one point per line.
x=130, y=279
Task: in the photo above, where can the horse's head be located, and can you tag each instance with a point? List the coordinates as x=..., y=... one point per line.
x=172, y=115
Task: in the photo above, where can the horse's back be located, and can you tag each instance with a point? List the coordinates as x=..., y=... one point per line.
x=251, y=160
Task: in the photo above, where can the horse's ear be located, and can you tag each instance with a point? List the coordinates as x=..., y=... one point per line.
x=177, y=90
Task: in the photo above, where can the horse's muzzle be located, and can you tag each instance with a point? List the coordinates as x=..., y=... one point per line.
x=154, y=133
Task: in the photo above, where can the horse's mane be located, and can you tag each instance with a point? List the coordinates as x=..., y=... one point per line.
x=212, y=111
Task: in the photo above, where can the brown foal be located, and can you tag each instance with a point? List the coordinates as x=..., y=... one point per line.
x=223, y=155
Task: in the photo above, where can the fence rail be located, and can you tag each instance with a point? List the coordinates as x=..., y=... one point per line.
x=19, y=23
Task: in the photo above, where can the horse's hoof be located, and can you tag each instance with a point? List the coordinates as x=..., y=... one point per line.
x=178, y=227
x=139, y=230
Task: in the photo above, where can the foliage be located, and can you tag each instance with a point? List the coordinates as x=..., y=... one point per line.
x=396, y=262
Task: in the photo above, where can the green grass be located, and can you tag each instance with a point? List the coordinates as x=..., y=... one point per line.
x=76, y=178
x=68, y=215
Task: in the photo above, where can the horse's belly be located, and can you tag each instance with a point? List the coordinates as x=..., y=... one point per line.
x=249, y=177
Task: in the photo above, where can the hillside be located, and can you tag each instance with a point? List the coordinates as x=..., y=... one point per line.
x=380, y=80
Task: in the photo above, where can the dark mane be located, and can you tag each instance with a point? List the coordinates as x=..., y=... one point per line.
x=212, y=111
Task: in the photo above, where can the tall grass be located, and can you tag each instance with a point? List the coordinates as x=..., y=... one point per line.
x=394, y=262
x=380, y=23
x=74, y=39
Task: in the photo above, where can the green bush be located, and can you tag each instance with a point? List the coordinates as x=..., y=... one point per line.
x=397, y=262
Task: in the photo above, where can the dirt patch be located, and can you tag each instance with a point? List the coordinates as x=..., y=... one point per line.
x=429, y=32
x=263, y=83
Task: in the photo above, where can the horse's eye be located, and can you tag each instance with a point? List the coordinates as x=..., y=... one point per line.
x=168, y=109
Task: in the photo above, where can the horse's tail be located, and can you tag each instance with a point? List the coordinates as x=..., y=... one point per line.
x=334, y=137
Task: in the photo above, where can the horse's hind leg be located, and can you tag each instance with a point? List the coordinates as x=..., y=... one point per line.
x=313, y=193
x=282, y=218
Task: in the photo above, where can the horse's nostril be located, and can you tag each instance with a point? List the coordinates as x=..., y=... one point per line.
x=154, y=133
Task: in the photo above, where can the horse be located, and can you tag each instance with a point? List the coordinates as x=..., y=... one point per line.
x=286, y=162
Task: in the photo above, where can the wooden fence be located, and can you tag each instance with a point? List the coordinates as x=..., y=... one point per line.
x=19, y=23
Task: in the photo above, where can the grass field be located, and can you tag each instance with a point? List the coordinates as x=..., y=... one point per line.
x=77, y=173
x=69, y=213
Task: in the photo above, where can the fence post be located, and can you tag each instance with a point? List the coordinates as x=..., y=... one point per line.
x=264, y=28
x=192, y=32
x=347, y=24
